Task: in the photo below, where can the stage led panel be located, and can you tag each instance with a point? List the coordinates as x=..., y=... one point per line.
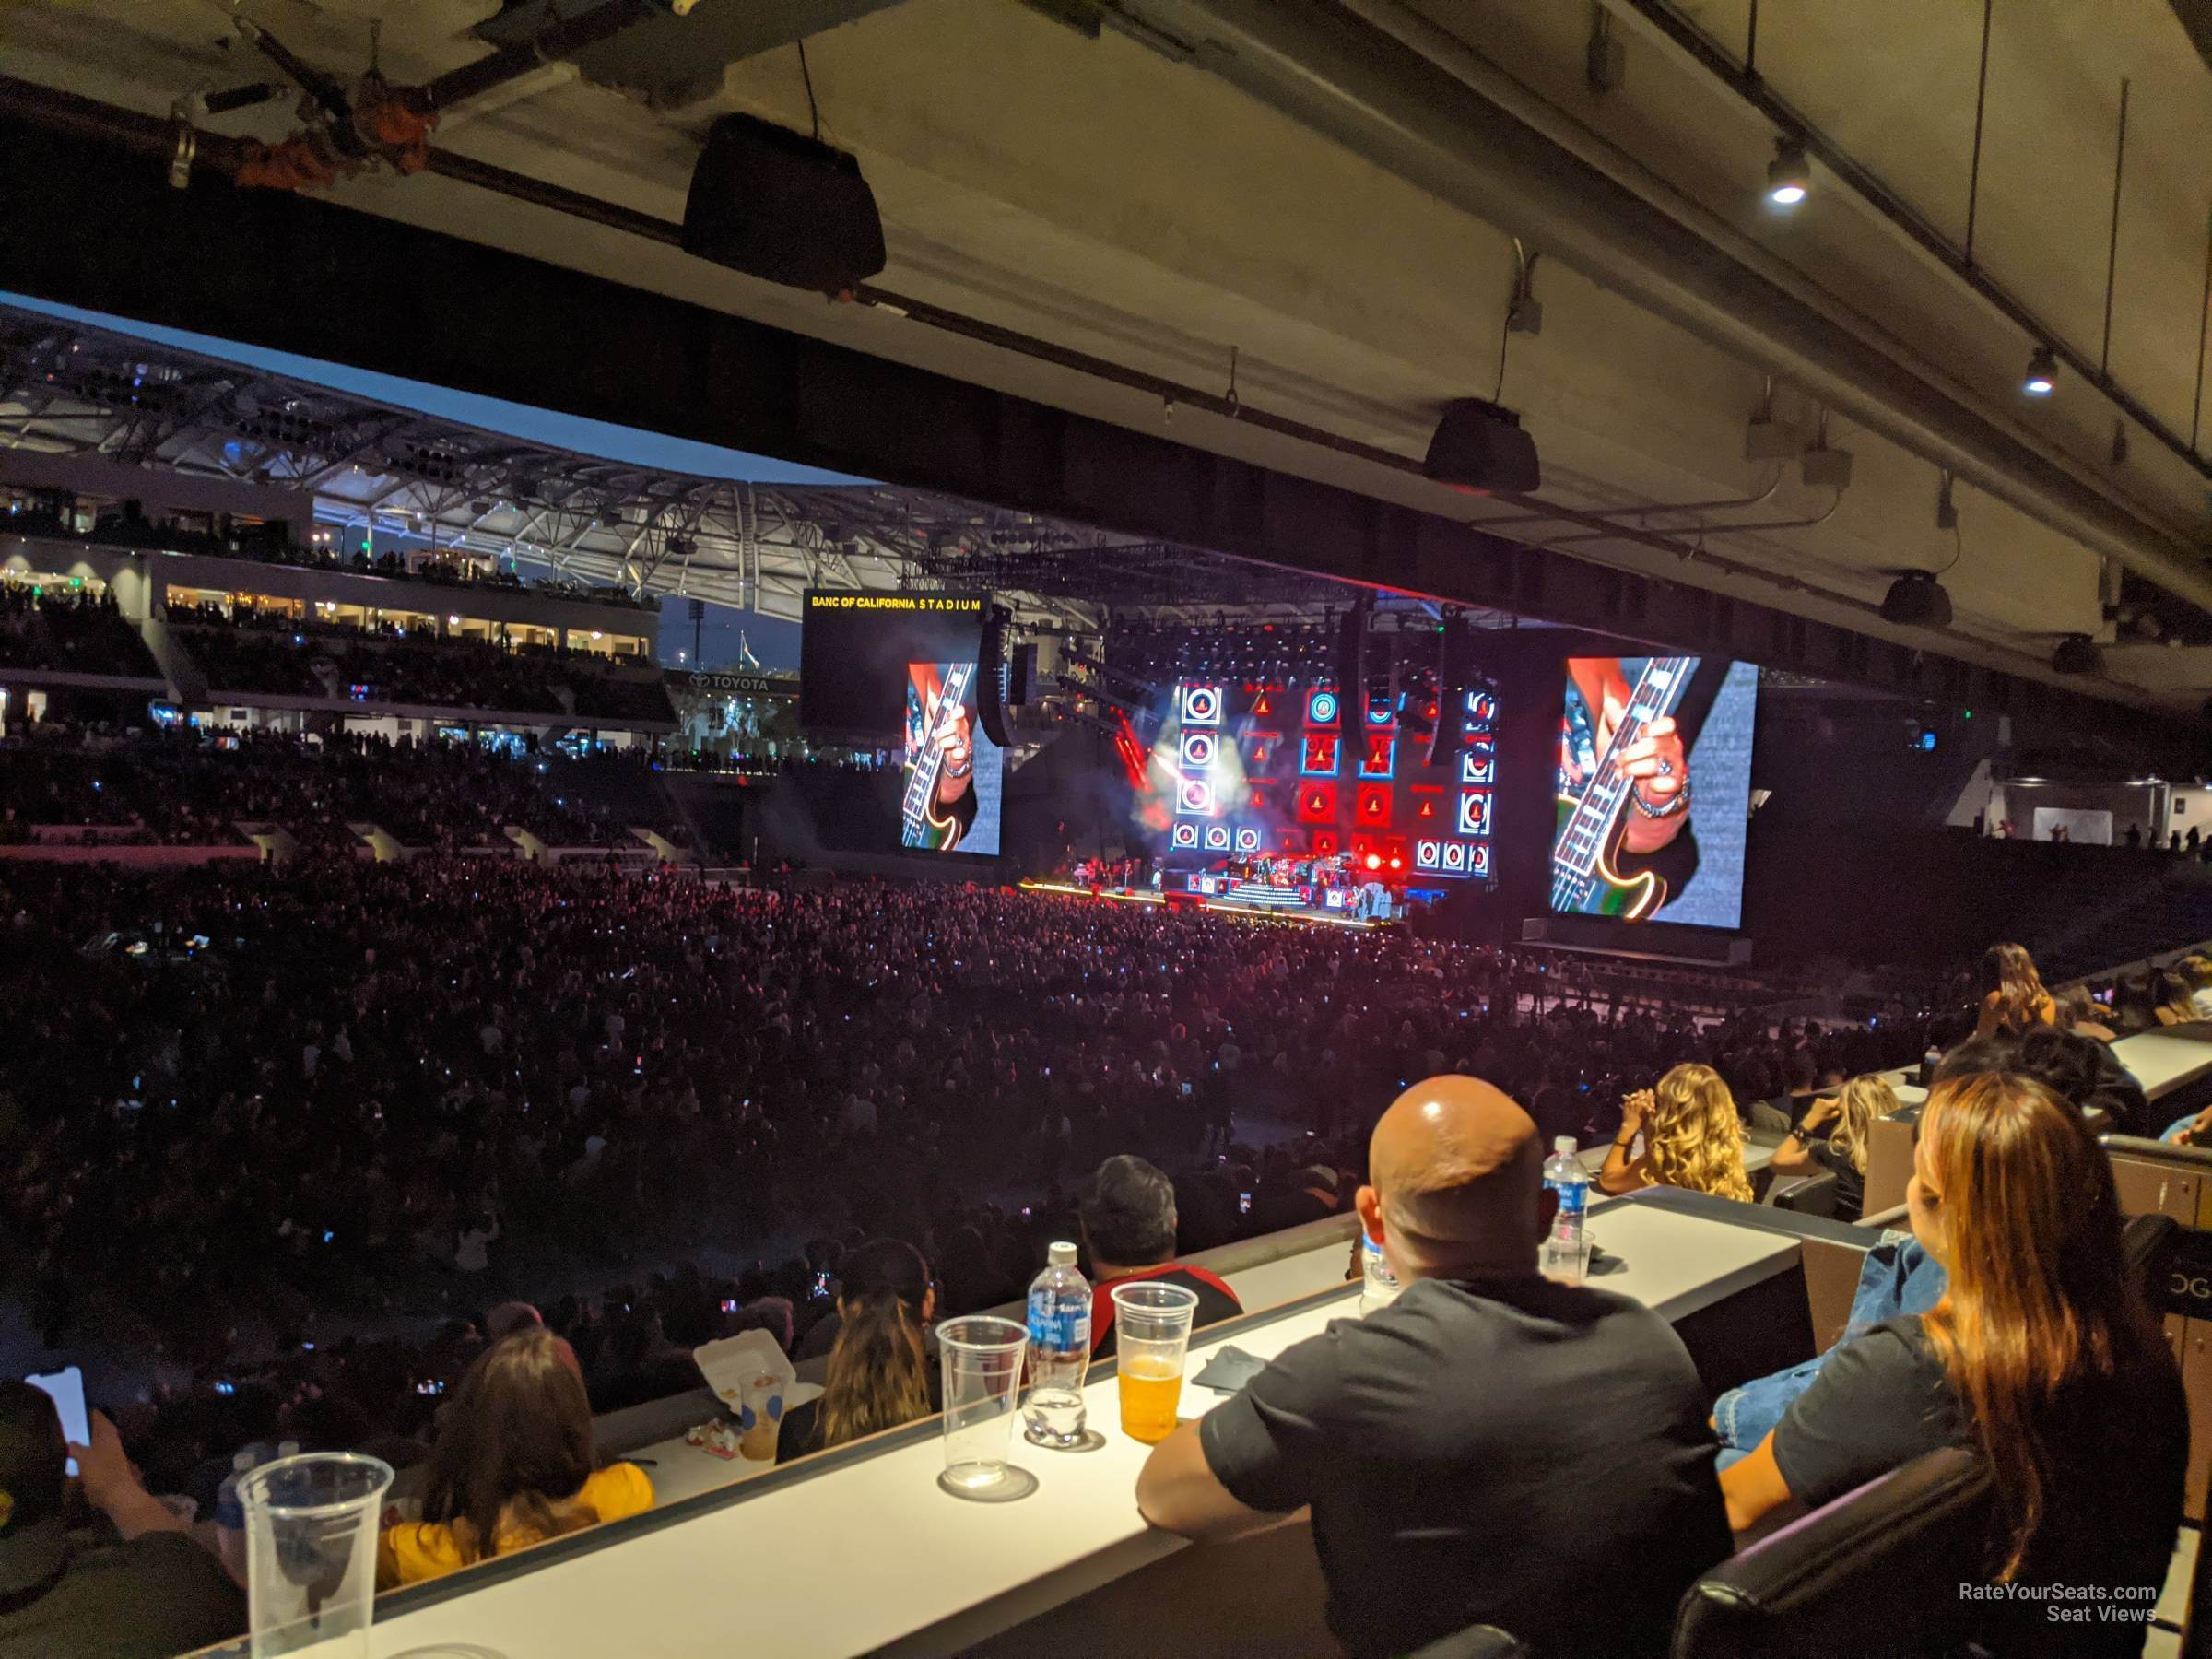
x=1201, y=704
x=1222, y=757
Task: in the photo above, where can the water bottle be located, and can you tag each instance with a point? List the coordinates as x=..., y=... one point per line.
x=1378, y=1285
x=1928, y=1063
x=1059, y=1351
x=230, y=1516
x=1564, y=1246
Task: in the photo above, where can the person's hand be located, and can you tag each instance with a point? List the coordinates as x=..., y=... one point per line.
x=2199, y=1131
x=1633, y=1110
x=1657, y=769
x=103, y=1470
x=1819, y=1112
x=957, y=748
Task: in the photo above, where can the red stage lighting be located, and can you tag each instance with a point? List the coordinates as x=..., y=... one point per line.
x=1396, y=862
x=1374, y=861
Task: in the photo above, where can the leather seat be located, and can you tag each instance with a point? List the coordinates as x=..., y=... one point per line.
x=1476, y=1642
x=1803, y=1194
x=1874, y=1575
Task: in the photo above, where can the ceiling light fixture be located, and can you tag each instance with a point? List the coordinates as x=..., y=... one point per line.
x=2042, y=377
x=1789, y=178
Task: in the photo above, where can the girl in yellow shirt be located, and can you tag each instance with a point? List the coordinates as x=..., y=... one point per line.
x=513, y=1464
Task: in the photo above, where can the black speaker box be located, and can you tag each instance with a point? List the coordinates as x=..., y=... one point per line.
x=782, y=207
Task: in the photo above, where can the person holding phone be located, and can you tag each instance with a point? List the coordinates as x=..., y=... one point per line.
x=152, y=1592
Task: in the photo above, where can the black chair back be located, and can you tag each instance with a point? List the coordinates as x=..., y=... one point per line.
x=1874, y=1575
x=1476, y=1642
x=1805, y=1194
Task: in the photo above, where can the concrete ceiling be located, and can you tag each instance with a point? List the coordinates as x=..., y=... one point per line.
x=1112, y=194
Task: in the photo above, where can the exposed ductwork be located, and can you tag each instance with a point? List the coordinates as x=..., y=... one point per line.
x=1397, y=89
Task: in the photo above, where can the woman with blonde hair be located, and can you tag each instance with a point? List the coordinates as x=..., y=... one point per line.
x=1692, y=1139
x=1841, y=1152
x=2041, y=1356
x=2013, y=998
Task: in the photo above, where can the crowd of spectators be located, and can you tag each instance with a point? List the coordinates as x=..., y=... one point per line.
x=191, y=788
x=269, y=1116
x=71, y=630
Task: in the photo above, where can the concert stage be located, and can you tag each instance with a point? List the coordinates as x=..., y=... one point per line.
x=1256, y=900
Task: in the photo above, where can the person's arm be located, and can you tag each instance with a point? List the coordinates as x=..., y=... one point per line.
x=1753, y=1487
x=1178, y=1491
x=1795, y=1156
x=1990, y=1017
x=112, y=1488
x=1621, y=1174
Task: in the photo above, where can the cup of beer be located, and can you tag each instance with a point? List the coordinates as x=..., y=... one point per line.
x=1152, y=1336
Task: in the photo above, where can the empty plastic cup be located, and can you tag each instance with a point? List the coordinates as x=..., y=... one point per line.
x=1152, y=1336
x=310, y=1551
x=983, y=1359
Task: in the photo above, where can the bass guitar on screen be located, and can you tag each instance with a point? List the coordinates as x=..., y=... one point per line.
x=923, y=825
x=1585, y=877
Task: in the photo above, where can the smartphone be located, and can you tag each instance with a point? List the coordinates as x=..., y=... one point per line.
x=66, y=1388
x=821, y=1283
x=1244, y=1204
x=729, y=1304
x=225, y=1389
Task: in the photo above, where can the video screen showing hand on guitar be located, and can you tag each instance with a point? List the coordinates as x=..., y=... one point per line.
x=940, y=795
x=1654, y=780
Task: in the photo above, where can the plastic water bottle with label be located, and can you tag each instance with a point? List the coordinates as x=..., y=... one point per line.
x=1059, y=1351
x=1567, y=1247
x=1378, y=1285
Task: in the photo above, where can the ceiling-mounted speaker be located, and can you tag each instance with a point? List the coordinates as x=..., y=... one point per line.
x=1480, y=448
x=2078, y=653
x=782, y=207
x=1917, y=600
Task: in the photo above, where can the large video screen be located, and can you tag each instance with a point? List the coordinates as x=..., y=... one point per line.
x=1655, y=786
x=903, y=671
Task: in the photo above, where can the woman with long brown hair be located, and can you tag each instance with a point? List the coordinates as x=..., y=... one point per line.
x=880, y=1374
x=512, y=1466
x=1692, y=1137
x=1846, y=1116
x=2013, y=997
x=2041, y=1356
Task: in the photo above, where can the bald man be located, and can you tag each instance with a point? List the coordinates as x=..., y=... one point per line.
x=1492, y=1448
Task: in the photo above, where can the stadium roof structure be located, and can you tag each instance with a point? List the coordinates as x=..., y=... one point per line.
x=71, y=387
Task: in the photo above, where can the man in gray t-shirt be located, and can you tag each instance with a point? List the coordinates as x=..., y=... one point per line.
x=1492, y=1448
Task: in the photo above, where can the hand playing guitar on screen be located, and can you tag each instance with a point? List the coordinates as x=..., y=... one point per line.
x=1656, y=763
x=957, y=746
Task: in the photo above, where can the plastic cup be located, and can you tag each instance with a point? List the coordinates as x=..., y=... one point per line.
x=1152, y=1336
x=310, y=1551
x=982, y=1360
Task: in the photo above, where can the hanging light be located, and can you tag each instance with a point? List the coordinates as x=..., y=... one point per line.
x=1789, y=177
x=2042, y=377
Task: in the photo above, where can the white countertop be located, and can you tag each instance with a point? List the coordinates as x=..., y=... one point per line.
x=2163, y=1062
x=769, y=1575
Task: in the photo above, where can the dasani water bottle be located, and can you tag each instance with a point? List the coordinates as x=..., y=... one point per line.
x=1059, y=1351
x=1565, y=1248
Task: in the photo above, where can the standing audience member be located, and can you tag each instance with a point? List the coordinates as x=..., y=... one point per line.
x=1692, y=1139
x=1426, y=1436
x=879, y=1371
x=1846, y=1115
x=2042, y=1357
x=151, y=1594
x=1128, y=1218
x=512, y=1466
